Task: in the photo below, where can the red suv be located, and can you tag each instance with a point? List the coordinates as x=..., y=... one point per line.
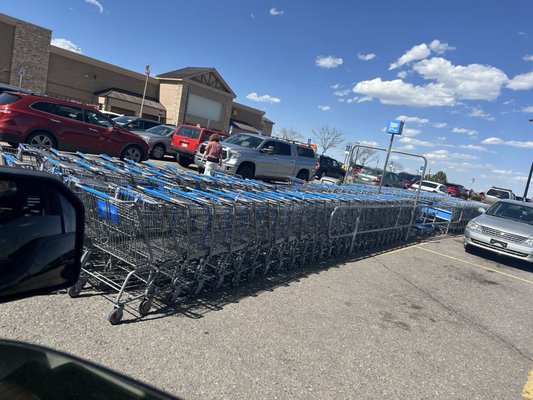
x=48, y=122
x=456, y=190
x=187, y=139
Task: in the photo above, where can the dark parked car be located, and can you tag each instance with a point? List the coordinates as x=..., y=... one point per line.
x=456, y=190
x=48, y=122
x=408, y=178
x=328, y=166
x=135, y=123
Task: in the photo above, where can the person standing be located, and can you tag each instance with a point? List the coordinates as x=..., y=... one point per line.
x=213, y=152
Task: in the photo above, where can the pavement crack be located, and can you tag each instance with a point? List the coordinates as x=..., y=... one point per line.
x=454, y=312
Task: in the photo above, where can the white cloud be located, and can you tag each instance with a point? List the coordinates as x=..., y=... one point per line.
x=410, y=132
x=369, y=143
x=335, y=86
x=468, y=132
x=401, y=93
x=352, y=100
x=407, y=147
x=416, y=142
x=528, y=57
x=366, y=57
x=97, y=4
x=521, y=82
x=438, y=47
x=477, y=112
x=473, y=147
x=512, y=143
x=341, y=93
x=402, y=74
x=66, y=44
x=440, y=125
x=446, y=155
x=418, y=52
x=274, y=11
x=470, y=82
x=328, y=62
x=341, y=100
x=325, y=108
x=421, y=51
x=492, y=140
x=413, y=120
x=528, y=109
x=503, y=171
x=262, y=99
x=363, y=99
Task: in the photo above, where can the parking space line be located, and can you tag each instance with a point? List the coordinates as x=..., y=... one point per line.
x=479, y=266
x=527, y=392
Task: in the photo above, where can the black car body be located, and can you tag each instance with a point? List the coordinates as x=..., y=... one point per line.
x=328, y=166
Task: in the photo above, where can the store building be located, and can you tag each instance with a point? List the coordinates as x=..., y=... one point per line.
x=194, y=95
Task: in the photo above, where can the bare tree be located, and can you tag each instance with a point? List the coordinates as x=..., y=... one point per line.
x=365, y=156
x=289, y=133
x=395, y=166
x=328, y=137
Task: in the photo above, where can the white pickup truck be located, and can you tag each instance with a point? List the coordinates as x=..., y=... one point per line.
x=262, y=157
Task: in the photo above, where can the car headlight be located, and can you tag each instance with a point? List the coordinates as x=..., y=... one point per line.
x=474, y=226
x=529, y=242
x=147, y=140
x=234, y=154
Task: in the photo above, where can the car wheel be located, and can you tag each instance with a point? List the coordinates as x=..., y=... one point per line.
x=42, y=140
x=303, y=175
x=158, y=152
x=184, y=161
x=246, y=172
x=133, y=153
x=319, y=175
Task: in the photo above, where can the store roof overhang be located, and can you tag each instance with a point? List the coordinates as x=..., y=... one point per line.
x=130, y=98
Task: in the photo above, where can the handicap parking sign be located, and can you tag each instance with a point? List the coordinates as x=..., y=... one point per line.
x=394, y=127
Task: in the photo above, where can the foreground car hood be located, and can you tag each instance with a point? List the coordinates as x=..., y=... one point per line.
x=507, y=225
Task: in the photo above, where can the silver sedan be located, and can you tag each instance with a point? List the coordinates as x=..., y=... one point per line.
x=158, y=139
x=505, y=228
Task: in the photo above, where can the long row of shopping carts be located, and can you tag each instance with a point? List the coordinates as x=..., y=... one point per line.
x=159, y=232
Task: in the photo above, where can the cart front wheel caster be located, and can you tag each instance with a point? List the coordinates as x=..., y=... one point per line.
x=115, y=316
x=74, y=291
x=144, y=307
x=171, y=297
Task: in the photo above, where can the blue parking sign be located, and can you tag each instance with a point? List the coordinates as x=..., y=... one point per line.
x=394, y=127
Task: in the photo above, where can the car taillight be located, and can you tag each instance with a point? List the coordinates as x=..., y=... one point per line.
x=5, y=111
x=317, y=166
x=376, y=180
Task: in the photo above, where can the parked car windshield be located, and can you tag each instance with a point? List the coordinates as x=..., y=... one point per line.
x=501, y=194
x=248, y=141
x=123, y=120
x=189, y=131
x=516, y=212
x=162, y=130
x=8, y=98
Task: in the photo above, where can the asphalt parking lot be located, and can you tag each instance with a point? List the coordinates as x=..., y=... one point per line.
x=422, y=321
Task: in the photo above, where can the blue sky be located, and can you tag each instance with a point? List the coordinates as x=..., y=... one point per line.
x=459, y=73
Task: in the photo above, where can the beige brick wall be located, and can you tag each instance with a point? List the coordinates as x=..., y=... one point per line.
x=31, y=49
x=251, y=117
x=84, y=78
x=170, y=94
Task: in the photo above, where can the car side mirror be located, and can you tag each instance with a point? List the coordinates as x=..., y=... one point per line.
x=41, y=234
x=482, y=210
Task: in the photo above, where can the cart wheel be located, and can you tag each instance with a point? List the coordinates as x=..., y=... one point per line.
x=115, y=316
x=144, y=307
x=171, y=298
x=74, y=291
